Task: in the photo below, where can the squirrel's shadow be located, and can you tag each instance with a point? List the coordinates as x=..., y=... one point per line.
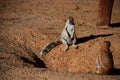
x=87, y=38
x=115, y=71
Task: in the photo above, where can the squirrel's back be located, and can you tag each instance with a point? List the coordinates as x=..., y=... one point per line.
x=49, y=47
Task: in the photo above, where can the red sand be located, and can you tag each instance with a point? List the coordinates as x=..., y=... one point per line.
x=27, y=26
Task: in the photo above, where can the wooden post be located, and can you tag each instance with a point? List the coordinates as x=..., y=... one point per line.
x=104, y=12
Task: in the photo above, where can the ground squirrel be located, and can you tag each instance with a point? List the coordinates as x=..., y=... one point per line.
x=68, y=37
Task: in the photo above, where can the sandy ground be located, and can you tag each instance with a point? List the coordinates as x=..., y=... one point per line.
x=26, y=26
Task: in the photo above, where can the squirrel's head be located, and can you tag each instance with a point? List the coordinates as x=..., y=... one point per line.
x=71, y=20
x=107, y=43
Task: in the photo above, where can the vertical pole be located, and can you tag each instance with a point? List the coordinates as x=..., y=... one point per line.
x=104, y=12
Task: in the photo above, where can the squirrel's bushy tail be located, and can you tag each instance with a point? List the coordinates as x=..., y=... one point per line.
x=49, y=47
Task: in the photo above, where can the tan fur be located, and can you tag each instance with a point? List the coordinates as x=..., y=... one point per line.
x=104, y=61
